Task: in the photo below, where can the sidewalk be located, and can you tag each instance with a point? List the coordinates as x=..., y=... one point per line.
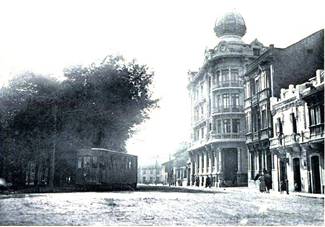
x=250, y=190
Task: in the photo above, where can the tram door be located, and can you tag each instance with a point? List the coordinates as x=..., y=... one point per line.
x=315, y=174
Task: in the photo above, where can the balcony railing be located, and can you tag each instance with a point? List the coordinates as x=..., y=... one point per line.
x=228, y=109
x=228, y=83
x=316, y=131
x=214, y=135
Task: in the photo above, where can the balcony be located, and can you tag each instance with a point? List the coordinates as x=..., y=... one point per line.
x=285, y=140
x=229, y=83
x=235, y=109
x=317, y=131
x=214, y=135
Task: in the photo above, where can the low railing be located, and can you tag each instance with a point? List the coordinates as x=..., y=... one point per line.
x=227, y=136
x=228, y=109
x=228, y=83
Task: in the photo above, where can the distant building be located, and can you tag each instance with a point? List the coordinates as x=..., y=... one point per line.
x=218, y=149
x=150, y=174
x=275, y=69
x=176, y=171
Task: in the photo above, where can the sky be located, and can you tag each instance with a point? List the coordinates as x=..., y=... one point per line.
x=169, y=36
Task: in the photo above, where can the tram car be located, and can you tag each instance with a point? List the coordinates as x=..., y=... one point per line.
x=103, y=169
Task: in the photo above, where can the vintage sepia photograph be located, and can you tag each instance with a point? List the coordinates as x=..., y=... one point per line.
x=164, y=112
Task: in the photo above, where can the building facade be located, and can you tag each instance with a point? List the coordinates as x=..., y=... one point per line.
x=298, y=141
x=275, y=69
x=217, y=148
x=150, y=174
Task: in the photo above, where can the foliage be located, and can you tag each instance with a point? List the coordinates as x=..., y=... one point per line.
x=95, y=106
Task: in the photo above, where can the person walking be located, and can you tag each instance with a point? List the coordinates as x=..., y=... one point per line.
x=262, y=183
x=268, y=181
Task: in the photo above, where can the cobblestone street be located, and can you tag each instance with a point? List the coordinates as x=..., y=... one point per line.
x=234, y=207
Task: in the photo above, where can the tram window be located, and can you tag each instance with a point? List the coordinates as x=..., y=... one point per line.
x=79, y=162
x=86, y=161
x=130, y=164
x=102, y=163
x=94, y=163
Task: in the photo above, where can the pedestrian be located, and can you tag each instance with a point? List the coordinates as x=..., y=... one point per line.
x=207, y=182
x=268, y=181
x=262, y=183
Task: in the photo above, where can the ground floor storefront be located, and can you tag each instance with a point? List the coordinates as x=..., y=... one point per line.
x=294, y=168
x=219, y=165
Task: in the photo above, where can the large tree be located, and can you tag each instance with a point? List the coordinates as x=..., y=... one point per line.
x=95, y=106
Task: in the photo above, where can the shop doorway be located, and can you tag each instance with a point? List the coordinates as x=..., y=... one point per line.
x=283, y=174
x=315, y=174
x=296, y=175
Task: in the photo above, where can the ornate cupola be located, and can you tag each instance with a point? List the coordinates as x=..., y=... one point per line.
x=230, y=27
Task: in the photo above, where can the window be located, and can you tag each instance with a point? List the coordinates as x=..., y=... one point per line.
x=316, y=115
x=234, y=75
x=257, y=85
x=79, y=162
x=202, y=132
x=218, y=101
x=264, y=119
x=225, y=76
x=235, y=100
x=247, y=90
x=279, y=127
x=219, y=129
x=264, y=83
x=225, y=101
x=226, y=126
x=94, y=163
x=294, y=122
x=235, y=125
x=248, y=122
x=312, y=116
x=218, y=78
x=256, y=121
x=256, y=51
x=102, y=163
x=144, y=179
x=87, y=161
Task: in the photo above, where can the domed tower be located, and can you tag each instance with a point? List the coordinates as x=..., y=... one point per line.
x=218, y=149
x=232, y=24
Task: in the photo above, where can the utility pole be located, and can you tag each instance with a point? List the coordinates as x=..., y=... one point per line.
x=51, y=180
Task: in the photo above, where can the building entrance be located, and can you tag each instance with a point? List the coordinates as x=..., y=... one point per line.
x=230, y=160
x=283, y=174
x=296, y=175
x=315, y=174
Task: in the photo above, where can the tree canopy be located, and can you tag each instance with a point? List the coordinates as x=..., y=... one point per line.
x=95, y=106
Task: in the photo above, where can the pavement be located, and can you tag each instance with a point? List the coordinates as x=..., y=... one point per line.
x=225, y=189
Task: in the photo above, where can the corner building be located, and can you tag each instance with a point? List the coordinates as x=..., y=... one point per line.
x=217, y=150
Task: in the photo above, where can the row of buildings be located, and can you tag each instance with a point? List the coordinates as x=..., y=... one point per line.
x=256, y=108
x=175, y=171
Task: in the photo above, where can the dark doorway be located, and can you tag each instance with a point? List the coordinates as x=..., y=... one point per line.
x=315, y=174
x=252, y=165
x=230, y=160
x=296, y=175
x=283, y=174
